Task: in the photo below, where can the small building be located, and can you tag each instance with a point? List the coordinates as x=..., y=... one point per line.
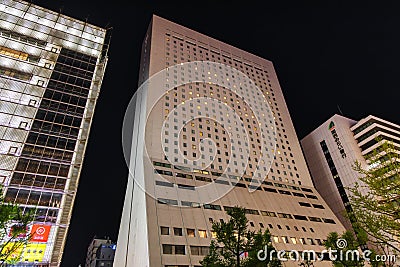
x=100, y=253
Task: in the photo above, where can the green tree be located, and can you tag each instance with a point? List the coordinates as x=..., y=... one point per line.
x=237, y=246
x=375, y=201
x=342, y=247
x=13, y=231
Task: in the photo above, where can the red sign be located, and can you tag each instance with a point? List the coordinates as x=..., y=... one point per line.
x=40, y=232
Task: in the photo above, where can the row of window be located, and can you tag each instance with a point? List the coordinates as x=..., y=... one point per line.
x=204, y=250
x=335, y=174
x=16, y=74
x=42, y=167
x=217, y=174
x=225, y=182
x=270, y=226
x=179, y=232
x=181, y=250
x=18, y=54
x=35, y=198
x=38, y=181
x=39, y=152
x=296, y=240
x=54, y=129
x=22, y=38
x=174, y=202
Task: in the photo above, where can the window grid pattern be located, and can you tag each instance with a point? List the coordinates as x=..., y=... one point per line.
x=178, y=50
x=46, y=158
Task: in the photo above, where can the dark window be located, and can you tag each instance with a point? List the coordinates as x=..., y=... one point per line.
x=329, y=221
x=167, y=249
x=162, y=183
x=212, y=207
x=180, y=250
x=300, y=217
x=270, y=189
x=187, y=187
x=315, y=219
x=164, y=230
x=304, y=204
x=178, y=231
x=221, y=182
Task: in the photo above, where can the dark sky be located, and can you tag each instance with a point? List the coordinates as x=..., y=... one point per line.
x=325, y=53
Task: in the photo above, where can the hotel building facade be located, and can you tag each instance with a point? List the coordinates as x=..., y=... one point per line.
x=211, y=130
x=51, y=70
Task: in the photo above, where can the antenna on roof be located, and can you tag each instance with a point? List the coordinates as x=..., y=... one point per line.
x=340, y=111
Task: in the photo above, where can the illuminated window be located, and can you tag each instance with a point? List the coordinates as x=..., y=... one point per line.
x=203, y=233
x=213, y=234
x=190, y=232
x=13, y=53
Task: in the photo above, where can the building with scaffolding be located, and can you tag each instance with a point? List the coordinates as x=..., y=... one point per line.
x=51, y=71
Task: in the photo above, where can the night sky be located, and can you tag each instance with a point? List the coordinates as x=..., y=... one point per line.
x=325, y=54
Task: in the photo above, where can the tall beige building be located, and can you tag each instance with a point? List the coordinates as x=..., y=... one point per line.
x=211, y=130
